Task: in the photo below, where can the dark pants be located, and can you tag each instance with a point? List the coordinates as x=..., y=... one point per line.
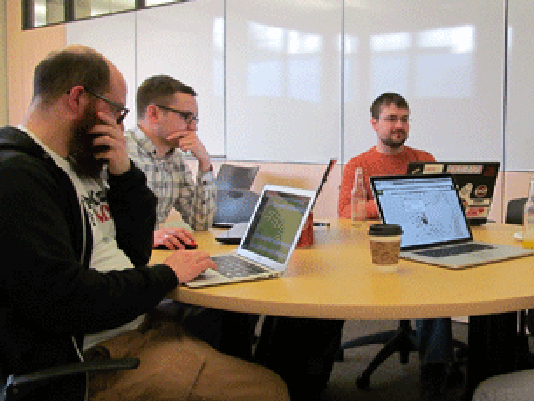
x=301, y=350
x=435, y=340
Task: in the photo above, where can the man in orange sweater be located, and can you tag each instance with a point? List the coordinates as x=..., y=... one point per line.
x=390, y=120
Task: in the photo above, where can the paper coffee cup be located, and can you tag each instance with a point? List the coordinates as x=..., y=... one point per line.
x=384, y=243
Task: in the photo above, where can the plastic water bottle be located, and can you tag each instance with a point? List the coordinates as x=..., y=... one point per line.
x=528, y=218
x=358, y=197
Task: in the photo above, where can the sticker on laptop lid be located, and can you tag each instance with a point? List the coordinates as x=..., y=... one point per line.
x=477, y=211
x=465, y=168
x=433, y=168
x=479, y=201
x=481, y=191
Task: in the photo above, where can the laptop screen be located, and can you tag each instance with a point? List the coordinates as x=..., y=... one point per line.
x=275, y=225
x=426, y=207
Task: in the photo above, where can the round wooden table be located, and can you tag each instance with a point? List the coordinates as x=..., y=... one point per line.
x=335, y=279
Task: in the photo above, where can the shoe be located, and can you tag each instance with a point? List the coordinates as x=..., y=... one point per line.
x=434, y=378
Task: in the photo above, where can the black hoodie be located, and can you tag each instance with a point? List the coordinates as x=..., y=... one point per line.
x=48, y=295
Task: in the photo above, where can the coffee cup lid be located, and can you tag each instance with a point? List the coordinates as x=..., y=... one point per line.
x=384, y=230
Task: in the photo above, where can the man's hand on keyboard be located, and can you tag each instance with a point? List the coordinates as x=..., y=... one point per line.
x=173, y=238
x=188, y=265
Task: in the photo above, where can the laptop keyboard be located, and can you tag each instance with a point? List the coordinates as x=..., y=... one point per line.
x=231, y=266
x=453, y=250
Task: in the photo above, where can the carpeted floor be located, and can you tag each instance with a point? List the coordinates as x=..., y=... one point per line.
x=392, y=381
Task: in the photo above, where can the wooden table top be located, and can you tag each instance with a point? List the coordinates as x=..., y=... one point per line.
x=336, y=279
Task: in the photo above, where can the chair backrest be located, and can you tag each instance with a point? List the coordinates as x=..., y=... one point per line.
x=514, y=211
x=235, y=177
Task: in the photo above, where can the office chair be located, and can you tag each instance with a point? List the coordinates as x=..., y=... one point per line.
x=514, y=211
x=514, y=215
x=402, y=340
x=235, y=177
x=15, y=388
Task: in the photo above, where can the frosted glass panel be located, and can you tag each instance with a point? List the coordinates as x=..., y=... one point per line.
x=186, y=41
x=446, y=58
x=519, y=128
x=264, y=78
x=270, y=85
x=283, y=80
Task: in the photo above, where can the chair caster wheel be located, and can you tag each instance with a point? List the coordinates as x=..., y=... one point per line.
x=362, y=382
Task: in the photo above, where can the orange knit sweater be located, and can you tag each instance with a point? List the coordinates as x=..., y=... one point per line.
x=374, y=163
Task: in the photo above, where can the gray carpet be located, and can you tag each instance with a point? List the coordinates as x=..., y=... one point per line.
x=392, y=381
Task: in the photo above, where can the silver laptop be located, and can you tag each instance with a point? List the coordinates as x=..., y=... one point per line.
x=435, y=229
x=269, y=241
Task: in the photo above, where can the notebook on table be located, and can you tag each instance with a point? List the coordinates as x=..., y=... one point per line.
x=233, y=235
x=475, y=182
x=435, y=229
x=269, y=241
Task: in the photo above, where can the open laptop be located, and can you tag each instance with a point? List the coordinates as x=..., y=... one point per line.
x=435, y=230
x=234, y=206
x=233, y=235
x=235, y=177
x=235, y=200
x=269, y=241
x=475, y=182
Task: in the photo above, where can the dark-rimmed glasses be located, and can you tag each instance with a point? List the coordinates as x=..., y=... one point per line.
x=118, y=107
x=394, y=119
x=188, y=116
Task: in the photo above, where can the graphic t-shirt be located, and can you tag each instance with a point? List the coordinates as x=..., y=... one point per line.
x=106, y=255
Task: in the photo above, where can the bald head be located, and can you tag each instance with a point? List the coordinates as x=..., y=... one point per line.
x=74, y=65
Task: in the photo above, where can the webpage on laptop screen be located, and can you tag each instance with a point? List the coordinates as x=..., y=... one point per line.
x=427, y=210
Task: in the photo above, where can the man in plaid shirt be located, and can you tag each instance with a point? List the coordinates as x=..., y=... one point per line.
x=167, y=126
x=167, y=122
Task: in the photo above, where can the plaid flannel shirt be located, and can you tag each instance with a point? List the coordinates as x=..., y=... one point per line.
x=171, y=181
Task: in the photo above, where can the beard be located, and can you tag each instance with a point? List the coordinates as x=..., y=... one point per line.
x=81, y=149
x=395, y=143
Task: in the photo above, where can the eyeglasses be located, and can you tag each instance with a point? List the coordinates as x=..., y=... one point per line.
x=118, y=107
x=186, y=115
x=394, y=119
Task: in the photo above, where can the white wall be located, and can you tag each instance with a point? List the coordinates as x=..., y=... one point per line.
x=186, y=41
x=519, y=128
x=292, y=80
x=445, y=57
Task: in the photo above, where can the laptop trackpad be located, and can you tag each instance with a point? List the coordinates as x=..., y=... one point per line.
x=209, y=276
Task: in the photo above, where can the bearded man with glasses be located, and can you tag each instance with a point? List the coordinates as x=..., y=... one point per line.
x=390, y=119
x=79, y=287
x=308, y=371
